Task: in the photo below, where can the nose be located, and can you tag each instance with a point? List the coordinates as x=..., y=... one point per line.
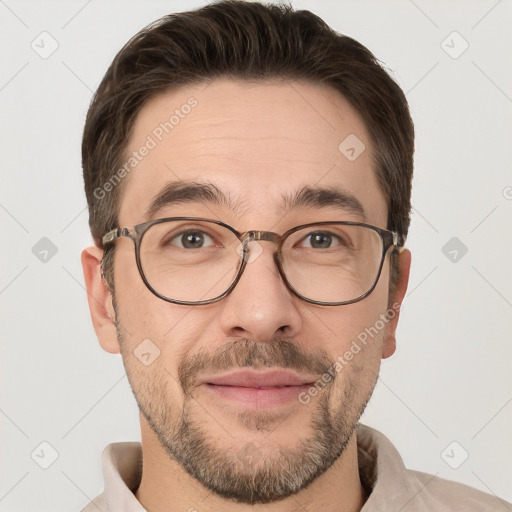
x=261, y=305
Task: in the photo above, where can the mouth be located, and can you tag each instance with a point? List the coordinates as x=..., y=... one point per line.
x=257, y=389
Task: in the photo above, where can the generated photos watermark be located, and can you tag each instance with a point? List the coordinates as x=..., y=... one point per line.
x=356, y=346
x=152, y=140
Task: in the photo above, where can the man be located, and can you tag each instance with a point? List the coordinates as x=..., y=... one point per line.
x=261, y=165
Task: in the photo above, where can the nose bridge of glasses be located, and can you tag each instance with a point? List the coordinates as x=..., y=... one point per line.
x=260, y=236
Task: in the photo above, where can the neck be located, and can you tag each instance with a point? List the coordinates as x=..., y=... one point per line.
x=166, y=486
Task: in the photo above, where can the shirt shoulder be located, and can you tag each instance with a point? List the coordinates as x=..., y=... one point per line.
x=449, y=496
x=122, y=471
x=98, y=503
x=390, y=486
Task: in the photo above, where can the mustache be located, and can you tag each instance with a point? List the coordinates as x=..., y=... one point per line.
x=243, y=353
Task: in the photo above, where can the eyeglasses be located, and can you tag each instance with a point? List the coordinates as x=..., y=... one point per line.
x=194, y=261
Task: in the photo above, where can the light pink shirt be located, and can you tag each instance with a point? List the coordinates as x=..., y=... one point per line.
x=390, y=485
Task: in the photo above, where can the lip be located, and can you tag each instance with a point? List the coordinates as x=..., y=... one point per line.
x=258, y=379
x=257, y=389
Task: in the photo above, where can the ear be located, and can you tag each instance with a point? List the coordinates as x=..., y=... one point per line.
x=404, y=267
x=100, y=300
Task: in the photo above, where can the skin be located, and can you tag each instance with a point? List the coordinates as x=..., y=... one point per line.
x=255, y=141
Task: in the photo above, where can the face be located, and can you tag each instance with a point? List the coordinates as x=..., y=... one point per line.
x=256, y=143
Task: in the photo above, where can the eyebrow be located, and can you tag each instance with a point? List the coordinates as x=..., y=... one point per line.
x=182, y=192
x=323, y=197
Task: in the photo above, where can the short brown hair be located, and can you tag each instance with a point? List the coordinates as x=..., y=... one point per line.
x=253, y=41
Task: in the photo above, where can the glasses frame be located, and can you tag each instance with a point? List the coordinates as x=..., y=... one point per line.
x=136, y=233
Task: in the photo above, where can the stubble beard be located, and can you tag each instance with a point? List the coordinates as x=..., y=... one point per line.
x=248, y=473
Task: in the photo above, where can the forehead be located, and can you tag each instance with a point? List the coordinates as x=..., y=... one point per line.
x=257, y=142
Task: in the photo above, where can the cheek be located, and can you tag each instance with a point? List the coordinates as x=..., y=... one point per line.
x=142, y=315
x=357, y=351
x=155, y=330
x=155, y=388
x=130, y=289
x=351, y=322
x=354, y=333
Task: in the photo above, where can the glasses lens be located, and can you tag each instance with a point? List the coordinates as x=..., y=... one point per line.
x=188, y=260
x=332, y=262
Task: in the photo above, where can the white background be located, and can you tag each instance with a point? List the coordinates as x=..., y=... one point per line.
x=450, y=379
